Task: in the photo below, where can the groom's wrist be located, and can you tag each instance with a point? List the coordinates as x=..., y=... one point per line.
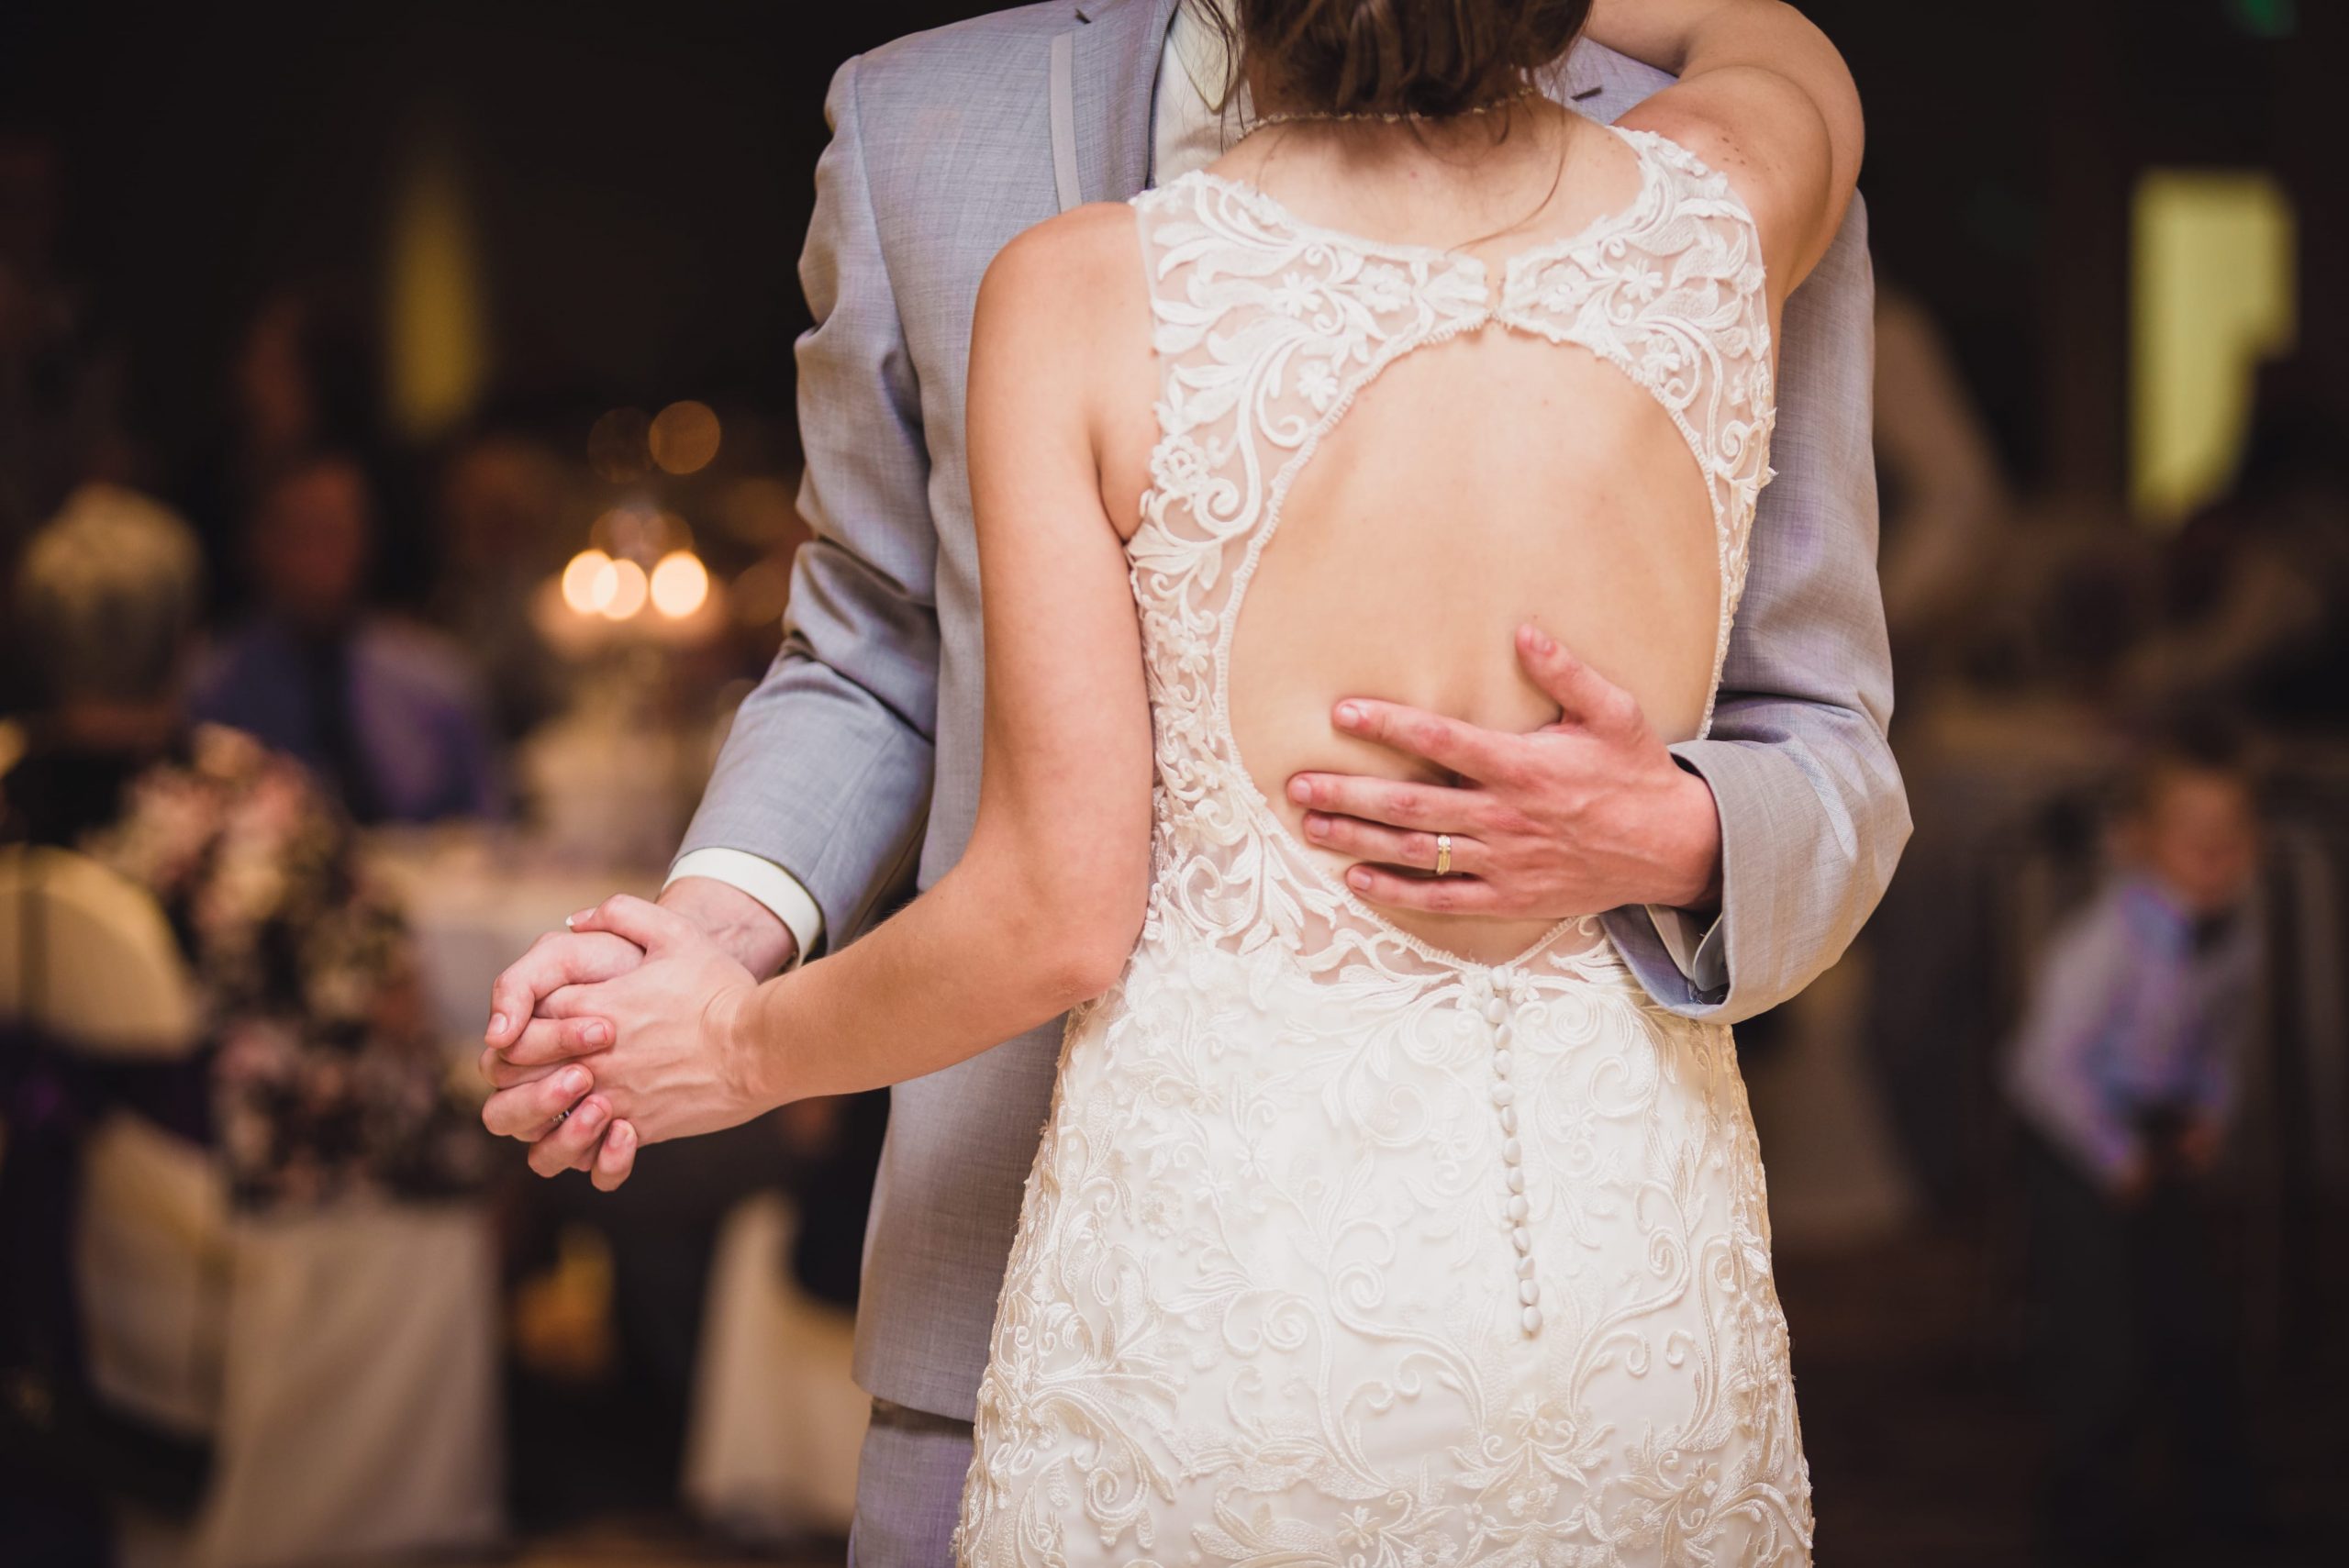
x=753, y=934
x=1691, y=835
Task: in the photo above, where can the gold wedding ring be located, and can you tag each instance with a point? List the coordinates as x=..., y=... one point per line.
x=1443, y=854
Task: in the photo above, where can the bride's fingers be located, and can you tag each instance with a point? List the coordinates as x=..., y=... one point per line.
x=1434, y=895
x=640, y=920
x=616, y=1158
x=562, y=1149
x=501, y=1074
x=585, y=1162
x=504, y=1073
x=522, y=1110
x=1390, y=846
x=544, y=1040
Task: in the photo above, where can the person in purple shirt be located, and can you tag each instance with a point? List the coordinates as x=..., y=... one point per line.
x=390, y=715
x=2124, y=1070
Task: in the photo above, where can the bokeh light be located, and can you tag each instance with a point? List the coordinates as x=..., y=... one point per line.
x=640, y=532
x=627, y=592
x=685, y=436
x=620, y=446
x=588, y=575
x=680, y=584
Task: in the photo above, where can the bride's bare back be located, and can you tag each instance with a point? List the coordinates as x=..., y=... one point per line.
x=1482, y=480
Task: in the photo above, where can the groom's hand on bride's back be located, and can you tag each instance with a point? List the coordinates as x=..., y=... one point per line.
x=1586, y=815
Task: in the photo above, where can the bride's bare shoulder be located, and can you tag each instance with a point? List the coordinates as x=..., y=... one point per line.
x=1087, y=258
x=1069, y=284
x=1064, y=307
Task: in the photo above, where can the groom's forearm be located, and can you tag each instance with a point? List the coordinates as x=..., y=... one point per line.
x=1813, y=816
x=747, y=930
x=827, y=769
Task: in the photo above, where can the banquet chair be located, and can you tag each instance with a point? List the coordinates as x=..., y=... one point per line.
x=341, y=1362
x=776, y=1420
x=87, y=958
x=87, y=955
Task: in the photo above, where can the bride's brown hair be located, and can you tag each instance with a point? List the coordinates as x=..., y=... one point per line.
x=1432, y=58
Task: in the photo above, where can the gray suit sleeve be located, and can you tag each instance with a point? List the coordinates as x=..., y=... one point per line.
x=1812, y=813
x=826, y=772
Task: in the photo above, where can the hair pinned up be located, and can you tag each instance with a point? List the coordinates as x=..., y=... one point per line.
x=1430, y=59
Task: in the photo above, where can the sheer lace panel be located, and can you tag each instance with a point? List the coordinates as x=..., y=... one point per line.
x=1338, y=1248
x=1266, y=329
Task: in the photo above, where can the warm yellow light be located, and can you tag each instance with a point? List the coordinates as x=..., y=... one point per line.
x=588, y=582
x=437, y=338
x=2214, y=294
x=680, y=583
x=627, y=591
x=684, y=437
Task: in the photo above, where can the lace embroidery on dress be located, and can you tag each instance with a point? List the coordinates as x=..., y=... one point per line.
x=1266, y=329
x=1338, y=1248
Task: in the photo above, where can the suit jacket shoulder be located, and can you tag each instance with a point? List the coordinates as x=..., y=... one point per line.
x=954, y=110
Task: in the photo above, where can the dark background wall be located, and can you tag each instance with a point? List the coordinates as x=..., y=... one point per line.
x=640, y=175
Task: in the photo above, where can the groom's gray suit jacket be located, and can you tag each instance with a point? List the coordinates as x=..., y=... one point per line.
x=857, y=760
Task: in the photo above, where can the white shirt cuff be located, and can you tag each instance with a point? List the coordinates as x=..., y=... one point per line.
x=1696, y=951
x=768, y=882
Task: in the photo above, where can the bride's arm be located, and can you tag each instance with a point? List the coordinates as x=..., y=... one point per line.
x=1047, y=901
x=1045, y=905
x=1761, y=95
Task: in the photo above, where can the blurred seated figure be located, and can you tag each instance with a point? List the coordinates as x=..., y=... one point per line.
x=266, y=1172
x=323, y=1077
x=2125, y=1071
x=2025, y=721
x=391, y=715
x=500, y=518
x=2257, y=603
x=306, y=375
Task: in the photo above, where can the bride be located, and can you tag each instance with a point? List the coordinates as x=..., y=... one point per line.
x=1353, y=1236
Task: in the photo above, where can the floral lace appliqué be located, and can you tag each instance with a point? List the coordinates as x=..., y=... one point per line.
x=1340, y=1250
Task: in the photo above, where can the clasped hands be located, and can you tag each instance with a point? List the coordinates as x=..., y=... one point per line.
x=634, y=1025
x=626, y=1027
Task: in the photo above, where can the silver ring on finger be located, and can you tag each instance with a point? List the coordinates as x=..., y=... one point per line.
x=1443, y=854
x=560, y=1118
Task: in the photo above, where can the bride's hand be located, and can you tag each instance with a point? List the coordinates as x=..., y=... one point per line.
x=680, y=1061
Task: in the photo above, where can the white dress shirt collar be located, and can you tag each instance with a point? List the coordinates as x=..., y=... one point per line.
x=1191, y=126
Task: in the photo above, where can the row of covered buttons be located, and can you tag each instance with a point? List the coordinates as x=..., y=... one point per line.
x=1515, y=1209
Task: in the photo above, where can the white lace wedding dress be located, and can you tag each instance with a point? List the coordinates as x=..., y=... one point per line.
x=1340, y=1250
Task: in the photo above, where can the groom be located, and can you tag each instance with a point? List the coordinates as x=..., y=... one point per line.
x=1736, y=867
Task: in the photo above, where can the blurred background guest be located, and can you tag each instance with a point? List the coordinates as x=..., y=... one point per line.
x=61, y=382
x=324, y=1079
x=504, y=501
x=305, y=1080
x=2126, y=1069
x=306, y=376
x=389, y=713
x=2255, y=587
